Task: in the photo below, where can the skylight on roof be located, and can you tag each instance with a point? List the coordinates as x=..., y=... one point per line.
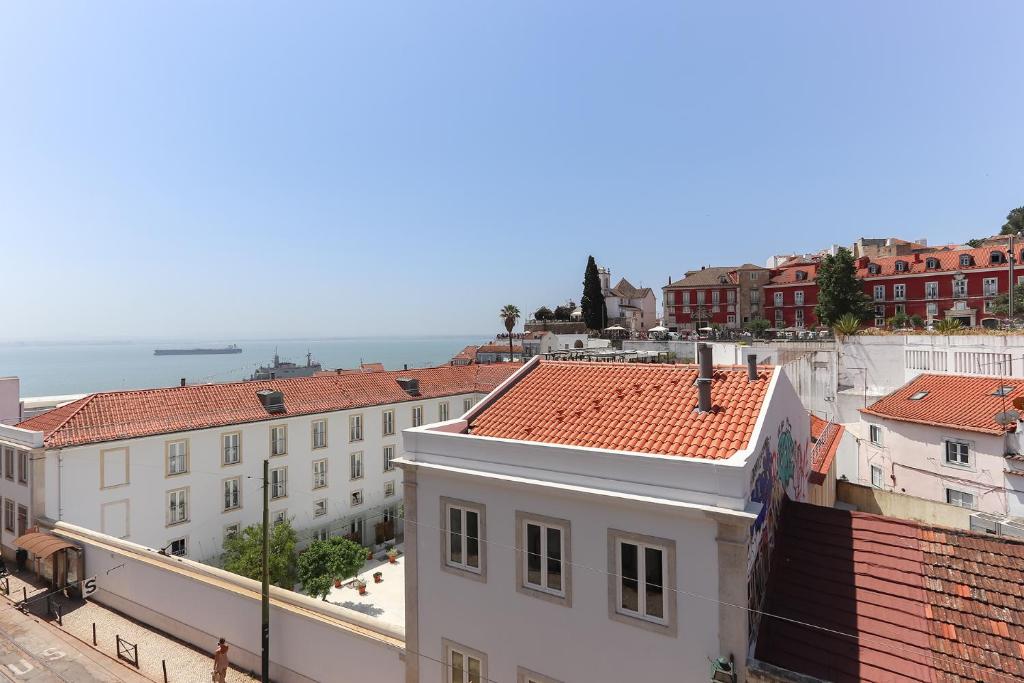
x=918, y=396
x=1002, y=391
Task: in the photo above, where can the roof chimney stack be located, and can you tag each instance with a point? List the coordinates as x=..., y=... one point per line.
x=704, y=378
x=182, y=381
x=752, y=367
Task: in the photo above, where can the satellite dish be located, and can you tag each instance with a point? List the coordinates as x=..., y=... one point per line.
x=1007, y=418
x=1018, y=403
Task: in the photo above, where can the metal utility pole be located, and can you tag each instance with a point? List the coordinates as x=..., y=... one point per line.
x=1013, y=259
x=266, y=573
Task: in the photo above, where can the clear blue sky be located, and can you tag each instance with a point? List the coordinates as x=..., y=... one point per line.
x=288, y=169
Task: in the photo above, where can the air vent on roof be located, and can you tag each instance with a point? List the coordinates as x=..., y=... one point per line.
x=273, y=401
x=410, y=385
x=1003, y=391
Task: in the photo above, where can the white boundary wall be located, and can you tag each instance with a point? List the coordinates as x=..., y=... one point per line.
x=310, y=640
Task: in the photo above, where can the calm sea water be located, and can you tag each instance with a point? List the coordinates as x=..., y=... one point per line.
x=73, y=368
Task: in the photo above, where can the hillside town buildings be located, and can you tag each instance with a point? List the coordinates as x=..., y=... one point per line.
x=725, y=296
x=633, y=308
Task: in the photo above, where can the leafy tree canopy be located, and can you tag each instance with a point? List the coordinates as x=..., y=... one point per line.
x=324, y=561
x=1014, y=222
x=1001, y=304
x=757, y=326
x=563, y=313
x=243, y=553
x=839, y=291
x=543, y=313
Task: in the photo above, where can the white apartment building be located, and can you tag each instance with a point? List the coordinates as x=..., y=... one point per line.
x=180, y=468
x=595, y=521
x=941, y=437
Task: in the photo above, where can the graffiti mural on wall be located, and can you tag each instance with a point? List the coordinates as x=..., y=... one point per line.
x=777, y=474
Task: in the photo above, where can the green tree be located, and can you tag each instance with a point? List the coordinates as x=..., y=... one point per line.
x=757, y=326
x=324, y=561
x=839, y=291
x=510, y=316
x=543, y=313
x=898, y=321
x=1001, y=304
x=563, y=313
x=592, y=303
x=243, y=553
x=1014, y=223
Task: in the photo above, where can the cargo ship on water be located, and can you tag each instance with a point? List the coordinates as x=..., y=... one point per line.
x=197, y=352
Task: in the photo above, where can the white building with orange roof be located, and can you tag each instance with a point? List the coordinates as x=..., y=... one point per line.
x=587, y=512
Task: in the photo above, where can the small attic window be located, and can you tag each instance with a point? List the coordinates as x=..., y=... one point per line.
x=901, y=266
x=1003, y=391
x=918, y=395
x=723, y=279
x=997, y=257
x=965, y=259
x=931, y=263
x=801, y=275
x=873, y=268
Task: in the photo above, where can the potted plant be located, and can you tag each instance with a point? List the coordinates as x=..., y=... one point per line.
x=378, y=577
x=392, y=555
x=369, y=553
x=337, y=583
x=361, y=586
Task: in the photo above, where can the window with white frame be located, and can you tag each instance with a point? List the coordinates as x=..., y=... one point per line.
x=931, y=290
x=279, y=440
x=417, y=416
x=9, y=515
x=356, y=498
x=990, y=286
x=899, y=292
x=778, y=298
x=932, y=309
x=321, y=534
x=278, y=482
x=798, y=297
x=730, y=319
x=684, y=298
x=876, y=476
x=467, y=403
x=356, y=465
x=320, y=473
x=279, y=517
x=464, y=530
x=900, y=308
x=389, y=488
x=879, y=292
x=320, y=507
x=388, y=422
x=958, y=453
x=524, y=675
x=730, y=296
x=355, y=427
x=778, y=316
x=232, y=493
x=231, y=448
x=875, y=434
x=9, y=463
x=178, y=547
x=442, y=411
x=755, y=296
x=22, y=467
x=799, y=317
x=464, y=664
x=965, y=260
x=700, y=297
x=389, y=458
x=960, y=287
x=960, y=498
x=715, y=296
x=177, y=506
x=177, y=457
x=544, y=542
x=319, y=433
x=641, y=571
x=232, y=530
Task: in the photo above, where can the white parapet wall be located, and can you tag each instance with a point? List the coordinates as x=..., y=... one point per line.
x=310, y=640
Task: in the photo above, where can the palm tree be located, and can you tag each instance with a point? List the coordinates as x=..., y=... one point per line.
x=510, y=316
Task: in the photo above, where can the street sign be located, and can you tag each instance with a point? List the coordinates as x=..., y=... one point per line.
x=88, y=586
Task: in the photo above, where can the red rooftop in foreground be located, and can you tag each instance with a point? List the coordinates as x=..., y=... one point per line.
x=860, y=597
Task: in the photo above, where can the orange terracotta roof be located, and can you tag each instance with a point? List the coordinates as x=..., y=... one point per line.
x=955, y=401
x=948, y=261
x=859, y=597
x=642, y=408
x=825, y=439
x=500, y=347
x=119, y=415
x=787, y=273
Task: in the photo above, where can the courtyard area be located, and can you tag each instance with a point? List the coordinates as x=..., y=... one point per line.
x=385, y=600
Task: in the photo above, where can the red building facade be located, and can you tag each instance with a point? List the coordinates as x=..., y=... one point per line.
x=702, y=298
x=791, y=295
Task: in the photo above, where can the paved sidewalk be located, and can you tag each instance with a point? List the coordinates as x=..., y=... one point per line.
x=185, y=664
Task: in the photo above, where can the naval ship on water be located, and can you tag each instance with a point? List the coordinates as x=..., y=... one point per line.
x=286, y=370
x=197, y=352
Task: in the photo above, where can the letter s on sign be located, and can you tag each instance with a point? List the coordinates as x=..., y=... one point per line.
x=89, y=586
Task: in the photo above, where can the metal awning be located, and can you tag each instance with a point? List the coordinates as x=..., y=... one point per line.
x=42, y=544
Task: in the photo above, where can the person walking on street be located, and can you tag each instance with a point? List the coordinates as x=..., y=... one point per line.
x=220, y=662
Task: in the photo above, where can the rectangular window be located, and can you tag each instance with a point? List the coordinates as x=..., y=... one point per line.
x=900, y=308
x=960, y=288
x=389, y=457
x=779, y=317
x=960, y=498
x=798, y=297
x=876, y=476
x=232, y=530
x=22, y=467
x=9, y=464
x=730, y=319
x=177, y=457
x=899, y=292
x=990, y=286
x=544, y=543
x=389, y=489
x=320, y=507
x=279, y=517
x=462, y=547
x=931, y=290
x=417, y=416
x=467, y=403
x=875, y=434
x=356, y=461
x=700, y=297
x=958, y=453
x=879, y=292
x=22, y=520
x=641, y=569
x=178, y=547
x=778, y=298
x=932, y=309
x=730, y=296
x=319, y=473
x=355, y=427
x=319, y=434
x=755, y=296
x=278, y=482
x=177, y=506
x=715, y=296
x=684, y=298
x=388, y=422
x=464, y=665
x=799, y=317
x=231, y=448
x=232, y=494
x=279, y=440
x=9, y=515
x=356, y=498
x=442, y=411
x=322, y=534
